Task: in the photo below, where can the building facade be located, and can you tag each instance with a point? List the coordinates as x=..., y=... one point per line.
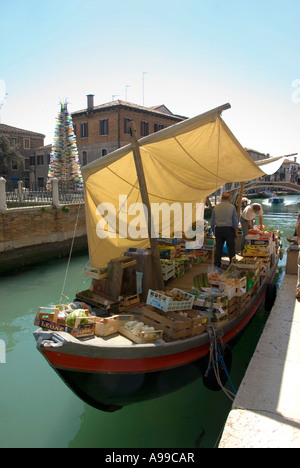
x=102, y=129
x=26, y=142
x=39, y=166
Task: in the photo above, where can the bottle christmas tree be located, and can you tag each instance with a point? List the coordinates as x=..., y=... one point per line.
x=64, y=160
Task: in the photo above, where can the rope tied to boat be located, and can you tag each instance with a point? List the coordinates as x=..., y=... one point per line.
x=216, y=352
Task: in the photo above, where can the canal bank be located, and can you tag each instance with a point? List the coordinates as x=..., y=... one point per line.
x=30, y=235
x=266, y=410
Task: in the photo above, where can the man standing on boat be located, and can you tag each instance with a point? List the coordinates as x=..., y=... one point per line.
x=224, y=223
x=247, y=218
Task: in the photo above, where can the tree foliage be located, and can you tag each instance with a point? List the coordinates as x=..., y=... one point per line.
x=8, y=154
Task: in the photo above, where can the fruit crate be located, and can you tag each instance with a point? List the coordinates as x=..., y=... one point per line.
x=144, y=337
x=168, y=269
x=107, y=326
x=167, y=303
x=175, y=325
x=215, y=317
x=50, y=321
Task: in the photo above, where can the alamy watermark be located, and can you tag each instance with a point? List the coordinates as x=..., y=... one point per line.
x=131, y=221
x=2, y=352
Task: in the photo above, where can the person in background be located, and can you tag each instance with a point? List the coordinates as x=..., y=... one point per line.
x=224, y=223
x=247, y=218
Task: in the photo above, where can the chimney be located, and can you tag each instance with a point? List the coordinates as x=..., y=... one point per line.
x=90, y=102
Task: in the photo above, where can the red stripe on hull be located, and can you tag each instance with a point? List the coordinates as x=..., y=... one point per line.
x=70, y=361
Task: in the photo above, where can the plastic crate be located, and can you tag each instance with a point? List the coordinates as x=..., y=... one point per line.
x=167, y=304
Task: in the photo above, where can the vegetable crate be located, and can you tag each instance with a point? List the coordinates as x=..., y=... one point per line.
x=47, y=318
x=50, y=321
x=129, y=301
x=144, y=337
x=175, y=324
x=106, y=326
x=215, y=317
x=167, y=303
x=168, y=269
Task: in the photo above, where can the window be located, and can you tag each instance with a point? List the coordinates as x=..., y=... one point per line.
x=26, y=164
x=144, y=128
x=40, y=160
x=48, y=158
x=26, y=143
x=103, y=127
x=14, y=142
x=104, y=152
x=74, y=127
x=14, y=165
x=84, y=130
x=84, y=158
x=40, y=182
x=32, y=161
x=158, y=127
x=126, y=125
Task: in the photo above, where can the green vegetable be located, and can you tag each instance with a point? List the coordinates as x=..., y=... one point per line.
x=71, y=319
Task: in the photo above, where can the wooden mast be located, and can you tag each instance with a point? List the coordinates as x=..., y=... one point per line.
x=240, y=199
x=146, y=202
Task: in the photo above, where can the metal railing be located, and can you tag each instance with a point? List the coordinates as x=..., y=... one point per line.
x=15, y=195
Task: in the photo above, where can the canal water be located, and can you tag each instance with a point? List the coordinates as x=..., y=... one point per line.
x=38, y=410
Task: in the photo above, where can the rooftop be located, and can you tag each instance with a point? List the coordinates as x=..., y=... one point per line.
x=161, y=109
x=9, y=129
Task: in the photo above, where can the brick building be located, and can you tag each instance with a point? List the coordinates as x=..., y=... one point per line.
x=26, y=142
x=102, y=129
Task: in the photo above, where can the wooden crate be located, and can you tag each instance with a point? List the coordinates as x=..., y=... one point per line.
x=50, y=321
x=95, y=273
x=130, y=301
x=107, y=326
x=168, y=269
x=101, y=301
x=47, y=318
x=145, y=336
x=174, y=325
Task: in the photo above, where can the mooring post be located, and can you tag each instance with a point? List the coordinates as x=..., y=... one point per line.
x=3, y=206
x=55, y=193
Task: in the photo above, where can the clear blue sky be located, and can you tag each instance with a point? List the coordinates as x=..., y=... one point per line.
x=198, y=54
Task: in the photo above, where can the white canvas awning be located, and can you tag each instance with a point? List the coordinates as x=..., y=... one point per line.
x=184, y=163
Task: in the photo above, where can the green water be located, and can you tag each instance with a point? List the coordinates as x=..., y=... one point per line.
x=38, y=410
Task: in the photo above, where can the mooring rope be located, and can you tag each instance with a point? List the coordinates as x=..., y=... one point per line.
x=69, y=260
x=216, y=357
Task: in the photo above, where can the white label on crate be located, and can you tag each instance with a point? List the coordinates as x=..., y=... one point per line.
x=221, y=310
x=243, y=290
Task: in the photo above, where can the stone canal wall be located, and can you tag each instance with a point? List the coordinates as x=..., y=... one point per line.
x=33, y=234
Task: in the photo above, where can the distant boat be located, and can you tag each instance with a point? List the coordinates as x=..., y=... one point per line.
x=276, y=200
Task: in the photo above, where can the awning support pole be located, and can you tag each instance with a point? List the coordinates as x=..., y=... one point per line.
x=240, y=199
x=146, y=202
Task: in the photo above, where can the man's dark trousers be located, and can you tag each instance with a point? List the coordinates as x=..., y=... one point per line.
x=224, y=234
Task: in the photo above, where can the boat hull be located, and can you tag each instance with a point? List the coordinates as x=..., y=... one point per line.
x=109, y=378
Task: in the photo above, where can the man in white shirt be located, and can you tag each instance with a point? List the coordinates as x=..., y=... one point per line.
x=248, y=216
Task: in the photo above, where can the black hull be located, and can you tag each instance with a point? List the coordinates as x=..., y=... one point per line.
x=110, y=392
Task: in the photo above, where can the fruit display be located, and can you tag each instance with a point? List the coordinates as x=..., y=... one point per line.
x=71, y=318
